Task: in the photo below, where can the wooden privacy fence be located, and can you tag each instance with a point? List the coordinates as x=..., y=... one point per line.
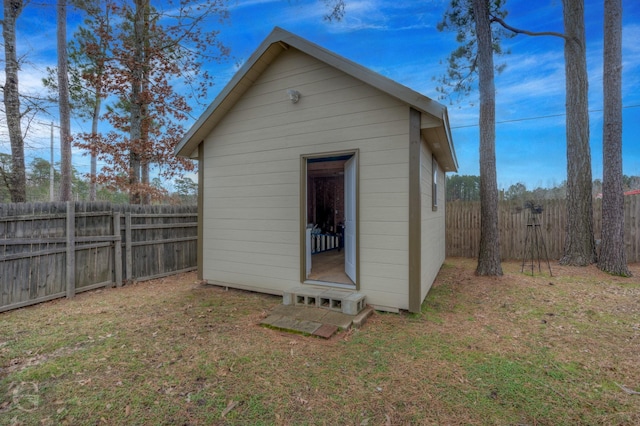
x=52, y=250
x=463, y=227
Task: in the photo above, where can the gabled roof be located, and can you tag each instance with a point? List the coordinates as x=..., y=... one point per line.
x=434, y=122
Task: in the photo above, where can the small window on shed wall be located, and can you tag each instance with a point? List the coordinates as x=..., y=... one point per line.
x=434, y=187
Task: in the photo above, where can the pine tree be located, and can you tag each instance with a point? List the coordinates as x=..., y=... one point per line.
x=612, y=257
x=17, y=179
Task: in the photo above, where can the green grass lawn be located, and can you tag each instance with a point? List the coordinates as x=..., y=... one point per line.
x=511, y=350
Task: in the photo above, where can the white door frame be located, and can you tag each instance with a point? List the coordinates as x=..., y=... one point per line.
x=305, y=252
x=350, y=222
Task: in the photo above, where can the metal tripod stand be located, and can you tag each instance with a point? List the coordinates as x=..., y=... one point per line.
x=534, y=245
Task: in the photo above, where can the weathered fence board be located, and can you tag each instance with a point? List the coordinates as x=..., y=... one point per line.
x=49, y=250
x=26, y=277
x=159, y=240
x=463, y=228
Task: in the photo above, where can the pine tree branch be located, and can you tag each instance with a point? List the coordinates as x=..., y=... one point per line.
x=526, y=32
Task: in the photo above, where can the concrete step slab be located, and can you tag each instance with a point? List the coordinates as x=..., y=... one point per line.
x=325, y=331
x=291, y=324
x=314, y=321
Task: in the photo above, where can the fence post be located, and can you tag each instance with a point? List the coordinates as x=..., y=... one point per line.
x=71, y=249
x=128, y=248
x=117, y=250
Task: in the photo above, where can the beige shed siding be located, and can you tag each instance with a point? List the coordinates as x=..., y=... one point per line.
x=251, y=171
x=433, y=222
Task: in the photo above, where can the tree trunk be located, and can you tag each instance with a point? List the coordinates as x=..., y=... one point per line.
x=136, y=107
x=18, y=178
x=612, y=257
x=94, y=134
x=144, y=134
x=489, y=256
x=146, y=195
x=579, y=248
x=63, y=104
x=97, y=106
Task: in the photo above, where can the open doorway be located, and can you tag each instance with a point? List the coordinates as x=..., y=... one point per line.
x=330, y=214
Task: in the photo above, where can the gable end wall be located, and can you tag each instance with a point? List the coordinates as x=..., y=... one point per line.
x=251, y=170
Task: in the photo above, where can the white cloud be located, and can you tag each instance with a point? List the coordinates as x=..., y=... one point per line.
x=630, y=37
x=239, y=4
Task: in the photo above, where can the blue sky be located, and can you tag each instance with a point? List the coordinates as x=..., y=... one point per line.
x=400, y=41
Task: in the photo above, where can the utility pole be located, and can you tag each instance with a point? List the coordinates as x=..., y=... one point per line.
x=51, y=173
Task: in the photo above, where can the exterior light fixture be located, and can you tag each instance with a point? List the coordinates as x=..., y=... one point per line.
x=294, y=95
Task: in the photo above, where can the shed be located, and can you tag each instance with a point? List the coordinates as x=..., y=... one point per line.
x=317, y=172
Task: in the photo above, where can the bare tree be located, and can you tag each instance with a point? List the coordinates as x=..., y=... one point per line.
x=17, y=180
x=148, y=50
x=63, y=103
x=612, y=257
x=137, y=106
x=336, y=9
x=87, y=53
x=95, y=38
